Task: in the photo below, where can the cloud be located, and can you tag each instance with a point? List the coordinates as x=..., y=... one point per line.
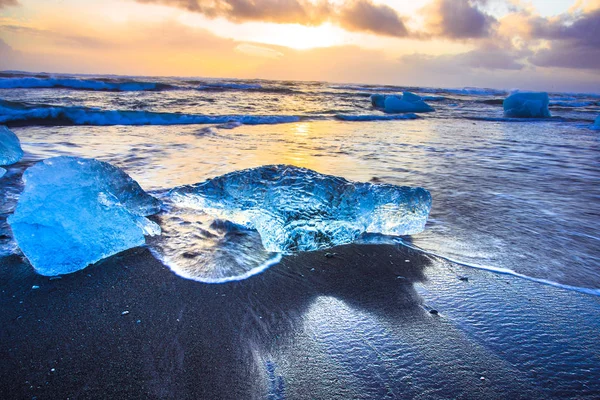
x=493, y=58
x=280, y=11
x=57, y=37
x=355, y=15
x=488, y=57
x=458, y=19
x=363, y=15
x=572, y=40
x=5, y=3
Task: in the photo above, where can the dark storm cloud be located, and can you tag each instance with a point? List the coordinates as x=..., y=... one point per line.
x=357, y=15
x=458, y=19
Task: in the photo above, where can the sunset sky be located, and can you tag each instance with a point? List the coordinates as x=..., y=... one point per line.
x=540, y=44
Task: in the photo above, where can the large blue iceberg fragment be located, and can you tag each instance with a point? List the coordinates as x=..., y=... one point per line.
x=296, y=209
x=527, y=105
x=75, y=211
x=407, y=103
x=10, y=147
x=597, y=123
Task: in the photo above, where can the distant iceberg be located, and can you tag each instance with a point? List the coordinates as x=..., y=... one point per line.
x=527, y=105
x=296, y=209
x=597, y=123
x=407, y=103
x=75, y=211
x=10, y=147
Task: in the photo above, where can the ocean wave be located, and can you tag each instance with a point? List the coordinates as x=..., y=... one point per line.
x=467, y=91
x=571, y=104
x=508, y=119
x=375, y=117
x=433, y=98
x=12, y=113
x=249, y=87
x=81, y=84
x=503, y=271
x=369, y=88
x=228, y=86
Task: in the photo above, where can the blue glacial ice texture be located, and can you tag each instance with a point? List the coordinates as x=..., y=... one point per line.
x=296, y=209
x=527, y=105
x=597, y=123
x=407, y=103
x=2, y=172
x=75, y=211
x=10, y=147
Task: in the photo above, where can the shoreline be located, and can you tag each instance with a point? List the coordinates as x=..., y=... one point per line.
x=357, y=325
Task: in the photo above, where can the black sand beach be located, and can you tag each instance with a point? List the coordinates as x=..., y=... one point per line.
x=374, y=321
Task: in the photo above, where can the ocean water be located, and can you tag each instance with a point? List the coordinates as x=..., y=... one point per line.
x=516, y=196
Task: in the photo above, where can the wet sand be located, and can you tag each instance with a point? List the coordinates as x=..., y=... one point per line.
x=372, y=322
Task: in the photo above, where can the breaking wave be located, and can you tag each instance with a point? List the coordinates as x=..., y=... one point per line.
x=82, y=84
x=13, y=113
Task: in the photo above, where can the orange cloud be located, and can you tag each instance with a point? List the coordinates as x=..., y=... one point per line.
x=355, y=15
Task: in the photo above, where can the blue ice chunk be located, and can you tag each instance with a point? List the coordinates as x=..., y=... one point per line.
x=378, y=100
x=75, y=211
x=597, y=123
x=527, y=105
x=10, y=147
x=2, y=172
x=296, y=209
x=407, y=103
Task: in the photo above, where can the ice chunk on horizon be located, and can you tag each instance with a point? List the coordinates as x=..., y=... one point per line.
x=597, y=123
x=407, y=103
x=296, y=209
x=10, y=147
x=527, y=105
x=74, y=212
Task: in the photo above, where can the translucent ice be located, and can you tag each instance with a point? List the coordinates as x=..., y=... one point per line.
x=597, y=123
x=10, y=147
x=408, y=102
x=527, y=105
x=75, y=211
x=296, y=209
x=199, y=247
x=2, y=172
x=378, y=100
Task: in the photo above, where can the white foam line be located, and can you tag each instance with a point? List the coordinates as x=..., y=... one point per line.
x=506, y=271
x=254, y=271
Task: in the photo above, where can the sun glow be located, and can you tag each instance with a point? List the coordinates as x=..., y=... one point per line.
x=300, y=37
